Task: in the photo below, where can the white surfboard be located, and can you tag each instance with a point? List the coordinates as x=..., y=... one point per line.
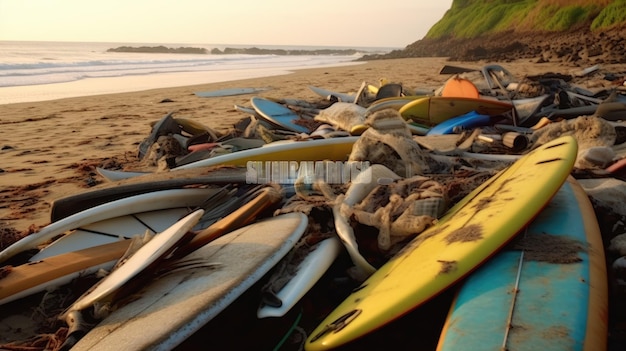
x=364, y=183
x=112, y=230
x=128, y=226
x=309, y=271
x=327, y=93
x=87, y=255
x=79, y=254
x=159, y=246
x=141, y=203
x=79, y=240
x=170, y=309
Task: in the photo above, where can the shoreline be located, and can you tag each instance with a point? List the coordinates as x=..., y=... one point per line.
x=134, y=83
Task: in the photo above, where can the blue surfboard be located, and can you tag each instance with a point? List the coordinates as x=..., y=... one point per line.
x=467, y=121
x=278, y=115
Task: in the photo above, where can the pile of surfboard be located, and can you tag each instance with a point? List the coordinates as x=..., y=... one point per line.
x=517, y=264
x=489, y=98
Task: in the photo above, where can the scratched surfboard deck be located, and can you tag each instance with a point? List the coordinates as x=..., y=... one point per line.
x=525, y=298
x=173, y=307
x=467, y=235
x=157, y=248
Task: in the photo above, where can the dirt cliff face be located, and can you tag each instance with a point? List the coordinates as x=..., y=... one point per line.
x=579, y=46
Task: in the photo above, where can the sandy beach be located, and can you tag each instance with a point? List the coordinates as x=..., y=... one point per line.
x=50, y=148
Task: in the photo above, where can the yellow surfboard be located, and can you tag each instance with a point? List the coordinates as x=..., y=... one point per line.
x=468, y=234
x=335, y=149
x=436, y=109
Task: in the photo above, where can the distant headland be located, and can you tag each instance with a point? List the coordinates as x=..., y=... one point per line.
x=258, y=51
x=159, y=49
x=231, y=51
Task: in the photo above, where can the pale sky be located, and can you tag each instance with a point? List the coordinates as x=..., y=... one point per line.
x=386, y=23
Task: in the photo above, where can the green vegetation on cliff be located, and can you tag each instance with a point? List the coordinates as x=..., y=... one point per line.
x=614, y=13
x=473, y=18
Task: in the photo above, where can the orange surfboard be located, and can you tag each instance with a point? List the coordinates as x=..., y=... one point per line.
x=460, y=87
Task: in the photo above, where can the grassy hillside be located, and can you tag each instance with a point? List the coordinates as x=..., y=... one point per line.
x=581, y=32
x=611, y=15
x=473, y=18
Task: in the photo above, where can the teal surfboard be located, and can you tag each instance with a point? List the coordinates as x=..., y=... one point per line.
x=467, y=121
x=547, y=291
x=278, y=114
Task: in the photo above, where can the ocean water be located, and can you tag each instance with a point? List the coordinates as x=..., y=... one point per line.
x=36, y=71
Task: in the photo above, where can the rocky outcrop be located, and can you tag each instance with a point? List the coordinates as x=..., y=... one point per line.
x=259, y=51
x=159, y=49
